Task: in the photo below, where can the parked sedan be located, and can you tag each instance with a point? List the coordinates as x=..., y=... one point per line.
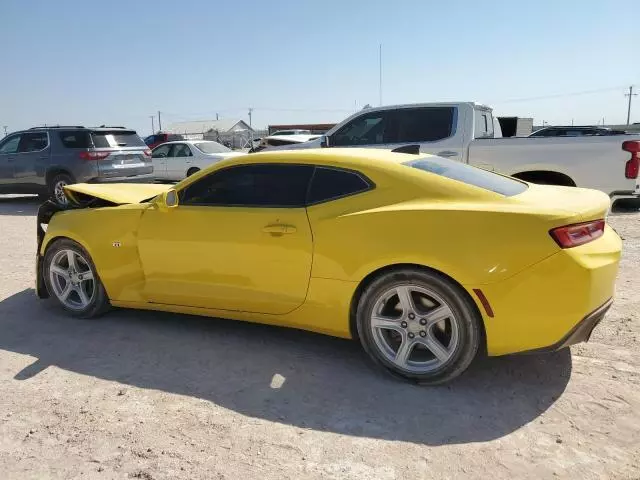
x=422, y=259
x=174, y=161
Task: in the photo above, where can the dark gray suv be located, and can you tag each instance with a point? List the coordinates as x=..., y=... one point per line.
x=42, y=160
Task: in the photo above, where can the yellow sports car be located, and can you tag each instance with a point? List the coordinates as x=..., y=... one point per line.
x=422, y=259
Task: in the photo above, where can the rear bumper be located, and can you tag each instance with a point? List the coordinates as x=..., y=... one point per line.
x=146, y=178
x=581, y=332
x=555, y=302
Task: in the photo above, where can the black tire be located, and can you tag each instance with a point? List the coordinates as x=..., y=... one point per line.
x=54, y=187
x=464, y=313
x=192, y=170
x=99, y=302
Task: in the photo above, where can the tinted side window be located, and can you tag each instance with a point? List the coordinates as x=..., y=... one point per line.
x=368, y=129
x=251, y=186
x=10, y=144
x=77, y=139
x=425, y=124
x=331, y=184
x=33, y=142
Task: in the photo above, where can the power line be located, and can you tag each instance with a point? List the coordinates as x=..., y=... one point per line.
x=560, y=95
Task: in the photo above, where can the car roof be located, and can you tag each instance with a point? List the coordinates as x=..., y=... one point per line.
x=354, y=157
x=186, y=141
x=80, y=127
x=575, y=127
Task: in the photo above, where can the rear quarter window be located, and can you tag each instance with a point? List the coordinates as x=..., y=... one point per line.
x=470, y=175
x=330, y=184
x=75, y=139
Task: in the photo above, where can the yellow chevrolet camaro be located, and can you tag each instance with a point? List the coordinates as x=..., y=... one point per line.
x=422, y=259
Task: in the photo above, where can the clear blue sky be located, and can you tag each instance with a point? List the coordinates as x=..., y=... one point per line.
x=117, y=62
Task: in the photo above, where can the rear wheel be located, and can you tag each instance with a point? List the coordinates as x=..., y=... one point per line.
x=56, y=188
x=418, y=325
x=71, y=278
x=192, y=170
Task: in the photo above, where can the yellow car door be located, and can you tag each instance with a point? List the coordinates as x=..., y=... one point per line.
x=239, y=239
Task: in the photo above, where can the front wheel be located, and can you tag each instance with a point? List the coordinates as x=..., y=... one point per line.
x=72, y=279
x=418, y=325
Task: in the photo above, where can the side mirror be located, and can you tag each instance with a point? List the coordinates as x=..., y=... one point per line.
x=169, y=199
x=324, y=141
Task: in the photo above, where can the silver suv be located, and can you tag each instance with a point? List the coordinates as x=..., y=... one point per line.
x=43, y=160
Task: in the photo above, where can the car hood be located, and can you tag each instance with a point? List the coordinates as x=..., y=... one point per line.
x=116, y=193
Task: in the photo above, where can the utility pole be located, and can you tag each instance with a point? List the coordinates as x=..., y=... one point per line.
x=216, y=116
x=380, y=74
x=153, y=126
x=159, y=122
x=250, y=112
x=630, y=94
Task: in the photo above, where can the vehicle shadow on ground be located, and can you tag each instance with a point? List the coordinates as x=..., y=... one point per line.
x=286, y=376
x=19, y=205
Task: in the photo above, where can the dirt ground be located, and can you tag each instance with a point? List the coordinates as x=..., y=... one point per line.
x=159, y=396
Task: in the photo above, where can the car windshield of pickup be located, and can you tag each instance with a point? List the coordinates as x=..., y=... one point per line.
x=470, y=175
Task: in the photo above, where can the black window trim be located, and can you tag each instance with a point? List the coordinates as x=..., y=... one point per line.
x=306, y=204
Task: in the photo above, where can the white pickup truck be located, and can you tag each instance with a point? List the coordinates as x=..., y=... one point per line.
x=468, y=132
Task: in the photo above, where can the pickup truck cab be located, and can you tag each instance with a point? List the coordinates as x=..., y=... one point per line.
x=468, y=132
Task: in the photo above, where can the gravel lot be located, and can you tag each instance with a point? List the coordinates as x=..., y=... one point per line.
x=155, y=396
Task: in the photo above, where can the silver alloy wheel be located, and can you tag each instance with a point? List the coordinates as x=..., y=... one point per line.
x=72, y=279
x=414, y=328
x=58, y=192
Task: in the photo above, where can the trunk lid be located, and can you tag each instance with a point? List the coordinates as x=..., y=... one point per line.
x=564, y=203
x=126, y=153
x=116, y=193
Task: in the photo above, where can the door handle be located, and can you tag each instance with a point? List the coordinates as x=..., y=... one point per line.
x=279, y=229
x=447, y=153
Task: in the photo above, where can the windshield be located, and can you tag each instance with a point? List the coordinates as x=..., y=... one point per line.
x=211, y=147
x=470, y=175
x=116, y=138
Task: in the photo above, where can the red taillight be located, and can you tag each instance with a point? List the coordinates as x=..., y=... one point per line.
x=93, y=155
x=632, y=167
x=147, y=153
x=578, y=233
